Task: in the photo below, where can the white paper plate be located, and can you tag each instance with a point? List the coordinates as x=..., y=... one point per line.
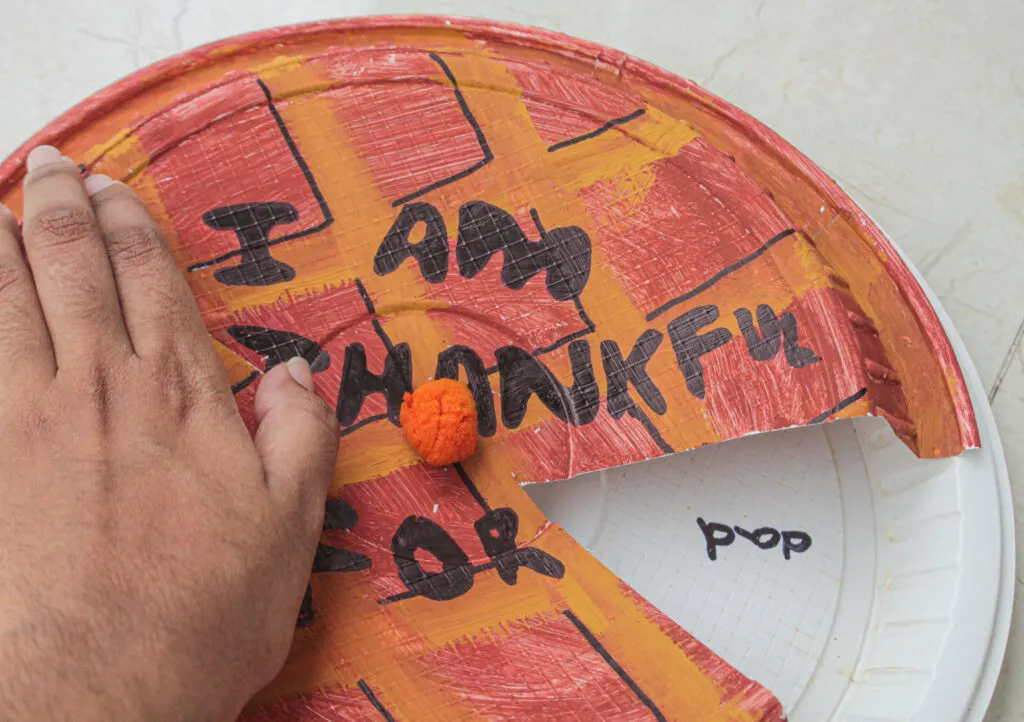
x=898, y=610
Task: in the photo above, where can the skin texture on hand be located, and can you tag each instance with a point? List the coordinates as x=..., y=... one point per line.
x=153, y=555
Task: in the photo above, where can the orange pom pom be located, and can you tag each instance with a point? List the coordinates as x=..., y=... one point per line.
x=439, y=419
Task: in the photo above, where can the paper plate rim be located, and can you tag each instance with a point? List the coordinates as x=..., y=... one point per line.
x=999, y=631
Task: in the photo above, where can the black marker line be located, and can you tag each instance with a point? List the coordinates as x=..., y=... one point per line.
x=474, y=569
x=536, y=221
x=377, y=326
x=720, y=275
x=590, y=328
x=480, y=139
x=383, y=336
x=838, y=407
x=637, y=413
x=555, y=345
x=583, y=314
x=594, y=133
x=441, y=183
x=388, y=345
x=360, y=424
x=470, y=118
x=245, y=382
x=551, y=347
x=471, y=486
x=562, y=341
x=375, y=702
x=623, y=675
x=400, y=597
x=542, y=232
x=367, y=301
x=293, y=148
x=314, y=188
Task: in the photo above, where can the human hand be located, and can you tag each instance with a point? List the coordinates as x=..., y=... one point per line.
x=152, y=555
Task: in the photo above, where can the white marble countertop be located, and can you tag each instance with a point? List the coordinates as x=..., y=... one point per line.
x=916, y=108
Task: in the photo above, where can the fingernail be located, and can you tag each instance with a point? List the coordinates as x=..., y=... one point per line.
x=299, y=369
x=95, y=183
x=43, y=155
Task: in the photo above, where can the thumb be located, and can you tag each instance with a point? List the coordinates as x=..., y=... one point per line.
x=297, y=436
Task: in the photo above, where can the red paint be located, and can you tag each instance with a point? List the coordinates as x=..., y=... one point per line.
x=410, y=133
x=588, y=447
x=564, y=106
x=768, y=395
x=258, y=168
x=540, y=667
x=700, y=216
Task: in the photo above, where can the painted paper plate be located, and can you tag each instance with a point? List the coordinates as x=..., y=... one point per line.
x=621, y=267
